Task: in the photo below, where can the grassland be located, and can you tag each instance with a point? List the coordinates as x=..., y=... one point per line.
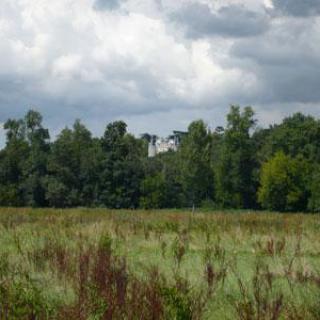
x=103, y=264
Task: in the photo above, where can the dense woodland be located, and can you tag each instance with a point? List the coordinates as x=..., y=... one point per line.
x=240, y=166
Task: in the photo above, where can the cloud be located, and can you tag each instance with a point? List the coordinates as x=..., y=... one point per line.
x=286, y=61
x=94, y=66
x=298, y=8
x=233, y=20
x=107, y=4
x=73, y=59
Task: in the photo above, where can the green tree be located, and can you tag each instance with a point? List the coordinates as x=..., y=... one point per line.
x=297, y=134
x=24, y=161
x=12, y=159
x=122, y=167
x=314, y=200
x=196, y=176
x=74, y=168
x=35, y=165
x=174, y=196
x=153, y=190
x=166, y=168
x=235, y=161
x=283, y=183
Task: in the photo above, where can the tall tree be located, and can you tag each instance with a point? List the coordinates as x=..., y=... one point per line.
x=12, y=159
x=161, y=182
x=35, y=165
x=74, y=167
x=194, y=158
x=235, y=164
x=123, y=171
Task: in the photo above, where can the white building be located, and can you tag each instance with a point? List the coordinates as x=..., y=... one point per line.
x=161, y=145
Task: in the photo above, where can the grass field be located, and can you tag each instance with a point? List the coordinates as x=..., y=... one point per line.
x=103, y=264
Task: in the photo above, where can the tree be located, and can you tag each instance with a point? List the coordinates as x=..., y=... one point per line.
x=35, y=165
x=56, y=193
x=24, y=161
x=161, y=182
x=174, y=196
x=236, y=161
x=15, y=130
x=196, y=176
x=122, y=167
x=228, y=167
x=297, y=134
x=74, y=167
x=314, y=200
x=283, y=183
x=12, y=159
x=153, y=192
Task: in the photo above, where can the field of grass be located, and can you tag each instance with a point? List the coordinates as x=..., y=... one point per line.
x=103, y=264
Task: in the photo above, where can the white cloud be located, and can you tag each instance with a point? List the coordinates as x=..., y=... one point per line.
x=82, y=58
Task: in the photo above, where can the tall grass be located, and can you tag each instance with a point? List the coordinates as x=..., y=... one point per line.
x=100, y=264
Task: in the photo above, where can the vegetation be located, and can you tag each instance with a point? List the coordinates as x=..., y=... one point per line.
x=241, y=166
x=166, y=264
x=283, y=181
x=103, y=264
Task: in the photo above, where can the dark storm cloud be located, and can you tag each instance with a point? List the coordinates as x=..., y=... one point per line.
x=286, y=62
x=298, y=8
x=95, y=105
x=107, y=4
x=229, y=21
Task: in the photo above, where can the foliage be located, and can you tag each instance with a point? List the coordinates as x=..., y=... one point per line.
x=240, y=166
x=196, y=176
x=314, y=200
x=283, y=183
x=153, y=192
x=296, y=135
x=235, y=164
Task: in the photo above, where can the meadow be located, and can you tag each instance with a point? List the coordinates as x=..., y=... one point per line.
x=161, y=264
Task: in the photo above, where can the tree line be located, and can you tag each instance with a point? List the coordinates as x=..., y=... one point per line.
x=241, y=166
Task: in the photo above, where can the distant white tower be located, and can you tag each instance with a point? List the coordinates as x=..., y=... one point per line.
x=152, y=148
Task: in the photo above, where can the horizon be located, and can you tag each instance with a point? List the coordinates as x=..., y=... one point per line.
x=139, y=134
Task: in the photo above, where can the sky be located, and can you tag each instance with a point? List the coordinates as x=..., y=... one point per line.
x=157, y=64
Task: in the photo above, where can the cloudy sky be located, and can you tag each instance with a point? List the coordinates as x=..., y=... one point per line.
x=158, y=64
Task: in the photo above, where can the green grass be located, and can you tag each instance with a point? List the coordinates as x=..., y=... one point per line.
x=263, y=265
